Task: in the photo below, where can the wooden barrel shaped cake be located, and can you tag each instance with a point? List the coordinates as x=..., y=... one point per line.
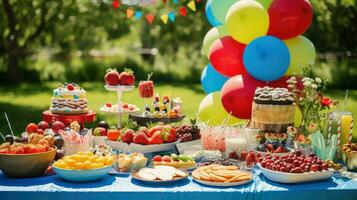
x=273, y=109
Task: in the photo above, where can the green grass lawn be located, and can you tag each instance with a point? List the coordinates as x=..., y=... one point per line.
x=25, y=103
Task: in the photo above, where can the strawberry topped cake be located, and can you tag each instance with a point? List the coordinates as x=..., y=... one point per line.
x=69, y=98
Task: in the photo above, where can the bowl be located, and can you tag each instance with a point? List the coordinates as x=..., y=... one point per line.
x=82, y=175
x=26, y=165
x=350, y=160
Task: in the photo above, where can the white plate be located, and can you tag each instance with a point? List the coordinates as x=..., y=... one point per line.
x=220, y=184
x=119, y=88
x=283, y=177
x=116, y=172
x=140, y=148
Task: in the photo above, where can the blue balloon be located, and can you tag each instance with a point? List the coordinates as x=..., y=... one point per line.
x=212, y=80
x=266, y=58
x=211, y=18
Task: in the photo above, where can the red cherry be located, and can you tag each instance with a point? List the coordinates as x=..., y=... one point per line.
x=314, y=168
x=70, y=86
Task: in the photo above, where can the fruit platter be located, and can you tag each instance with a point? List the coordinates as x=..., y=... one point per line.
x=127, y=163
x=295, y=168
x=274, y=143
x=160, y=175
x=145, y=140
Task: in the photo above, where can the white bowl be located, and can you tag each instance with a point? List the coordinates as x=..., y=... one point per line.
x=283, y=177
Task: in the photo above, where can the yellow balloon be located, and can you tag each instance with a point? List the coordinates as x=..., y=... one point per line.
x=211, y=36
x=298, y=117
x=247, y=20
x=302, y=54
x=212, y=111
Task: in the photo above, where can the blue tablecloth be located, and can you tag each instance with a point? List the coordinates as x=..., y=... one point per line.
x=124, y=188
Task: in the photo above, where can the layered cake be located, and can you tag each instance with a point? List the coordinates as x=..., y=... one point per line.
x=69, y=98
x=273, y=109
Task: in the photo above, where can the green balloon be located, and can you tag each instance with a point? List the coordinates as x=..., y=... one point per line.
x=212, y=111
x=302, y=54
x=265, y=3
x=220, y=7
x=212, y=35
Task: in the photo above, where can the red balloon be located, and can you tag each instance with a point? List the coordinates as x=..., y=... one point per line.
x=283, y=84
x=226, y=56
x=237, y=95
x=289, y=18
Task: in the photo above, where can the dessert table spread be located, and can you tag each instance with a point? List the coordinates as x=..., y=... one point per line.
x=123, y=187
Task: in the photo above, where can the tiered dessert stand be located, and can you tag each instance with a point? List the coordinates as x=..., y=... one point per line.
x=120, y=89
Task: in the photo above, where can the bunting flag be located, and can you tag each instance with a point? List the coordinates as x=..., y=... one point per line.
x=192, y=5
x=183, y=11
x=115, y=4
x=172, y=16
x=129, y=13
x=150, y=18
x=138, y=14
x=164, y=18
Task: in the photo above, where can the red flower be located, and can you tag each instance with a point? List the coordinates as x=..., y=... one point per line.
x=325, y=101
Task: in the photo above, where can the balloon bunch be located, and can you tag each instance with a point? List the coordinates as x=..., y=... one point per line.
x=253, y=43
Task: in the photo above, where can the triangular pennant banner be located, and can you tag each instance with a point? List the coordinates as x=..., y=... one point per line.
x=150, y=18
x=138, y=14
x=192, y=5
x=172, y=16
x=183, y=11
x=115, y=4
x=164, y=18
x=129, y=13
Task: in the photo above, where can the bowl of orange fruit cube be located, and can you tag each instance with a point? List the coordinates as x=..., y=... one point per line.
x=83, y=167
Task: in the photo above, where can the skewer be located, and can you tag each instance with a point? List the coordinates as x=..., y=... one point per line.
x=8, y=123
x=2, y=136
x=345, y=101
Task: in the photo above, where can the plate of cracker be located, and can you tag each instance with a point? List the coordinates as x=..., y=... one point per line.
x=160, y=174
x=223, y=176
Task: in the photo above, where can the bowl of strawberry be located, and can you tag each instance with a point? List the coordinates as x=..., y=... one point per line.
x=294, y=168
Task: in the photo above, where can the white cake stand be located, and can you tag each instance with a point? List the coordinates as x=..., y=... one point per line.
x=120, y=89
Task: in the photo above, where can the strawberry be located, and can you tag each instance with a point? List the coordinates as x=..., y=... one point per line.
x=279, y=150
x=57, y=125
x=243, y=155
x=100, y=131
x=252, y=155
x=42, y=148
x=249, y=160
x=145, y=130
x=156, y=138
x=70, y=87
x=108, y=105
x=127, y=77
x=154, y=129
x=169, y=134
x=128, y=136
x=31, y=128
x=157, y=158
x=17, y=150
x=166, y=159
x=4, y=151
x=141, y=138
x=114, y=135
x=43, y=125
x=233, y=155
x=125, y=106
x=112, y=77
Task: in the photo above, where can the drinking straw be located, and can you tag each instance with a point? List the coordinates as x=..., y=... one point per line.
x=2, y=136
x=350, y=133
x=339, y=133
x=345, y=101
x=329, y=127
x=8, y=123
